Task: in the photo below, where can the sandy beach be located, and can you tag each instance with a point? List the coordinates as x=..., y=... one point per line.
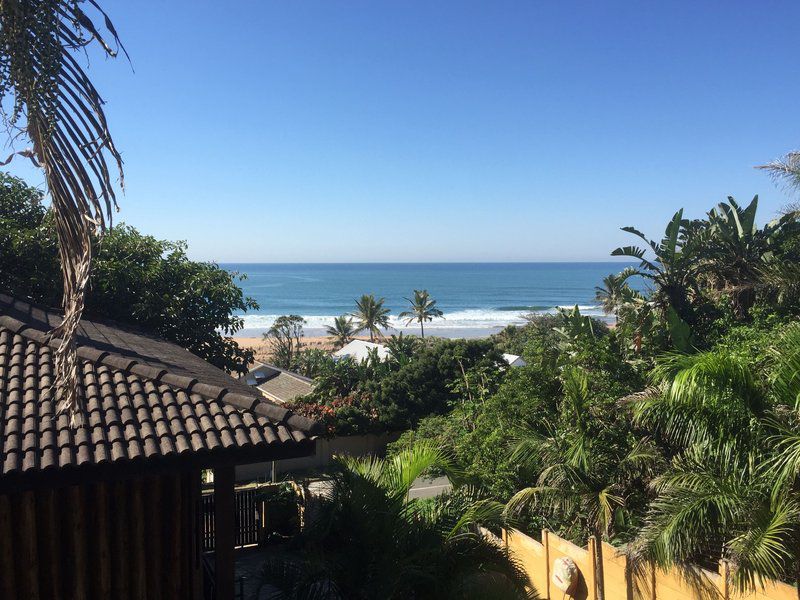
x=261, y=347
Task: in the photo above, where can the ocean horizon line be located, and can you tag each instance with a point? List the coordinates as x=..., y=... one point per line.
x=456, y=262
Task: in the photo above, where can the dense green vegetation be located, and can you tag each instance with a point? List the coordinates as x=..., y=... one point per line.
x=369, y=540
x=419, y=379
x=675, y=433
x=136, y=279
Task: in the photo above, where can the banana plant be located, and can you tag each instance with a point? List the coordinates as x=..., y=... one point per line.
x=675, y=265
x=737, y=249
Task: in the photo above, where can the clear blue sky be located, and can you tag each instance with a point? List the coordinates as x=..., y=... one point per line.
x=300, y=131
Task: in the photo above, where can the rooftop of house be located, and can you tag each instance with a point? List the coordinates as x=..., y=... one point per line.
x=514, y=360
x=144, y=399
x=359, y=350
x=278, y=385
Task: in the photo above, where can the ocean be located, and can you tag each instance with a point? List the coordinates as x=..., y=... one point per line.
x=477, y=299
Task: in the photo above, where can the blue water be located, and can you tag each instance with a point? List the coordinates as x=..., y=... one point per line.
x=476, y=298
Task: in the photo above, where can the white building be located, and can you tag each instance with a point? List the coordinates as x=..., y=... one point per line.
x=514, y=361
x=359, y=351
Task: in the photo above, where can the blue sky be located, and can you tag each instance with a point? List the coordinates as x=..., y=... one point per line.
x=406, y=131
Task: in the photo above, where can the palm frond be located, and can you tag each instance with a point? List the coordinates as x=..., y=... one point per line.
x=763, y=550
x=58, y=109
x=787, y=376
x=785, y=170
x=412, y=462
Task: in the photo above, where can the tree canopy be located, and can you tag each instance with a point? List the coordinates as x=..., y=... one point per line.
x=137, y=279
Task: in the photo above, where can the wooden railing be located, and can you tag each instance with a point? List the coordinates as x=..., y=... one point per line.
x=250, y=511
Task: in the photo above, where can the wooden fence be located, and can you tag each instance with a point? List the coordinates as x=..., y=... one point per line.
x=250, y=513
x=620, y=580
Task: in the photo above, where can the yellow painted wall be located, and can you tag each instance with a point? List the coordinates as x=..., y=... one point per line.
x=620, y=584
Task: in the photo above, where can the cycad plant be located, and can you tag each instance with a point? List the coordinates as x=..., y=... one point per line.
x=342, y=331
x=371, y=315
x=423, y=309
x=371, y=540
x=53, y=104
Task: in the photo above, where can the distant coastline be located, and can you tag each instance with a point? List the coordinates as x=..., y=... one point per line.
x=478, y=299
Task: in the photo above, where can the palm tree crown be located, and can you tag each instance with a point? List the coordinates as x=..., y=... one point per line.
x=371, y=315
x=423, y=308
x=583, y=475
x=342, y=331
x=612, y=294
x=731, y=489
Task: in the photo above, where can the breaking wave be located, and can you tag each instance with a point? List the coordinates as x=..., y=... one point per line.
x=467, y=319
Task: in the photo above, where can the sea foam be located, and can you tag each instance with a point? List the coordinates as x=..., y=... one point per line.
x=473, y=318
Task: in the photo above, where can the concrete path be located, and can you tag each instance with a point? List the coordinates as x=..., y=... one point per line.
x=428, y=488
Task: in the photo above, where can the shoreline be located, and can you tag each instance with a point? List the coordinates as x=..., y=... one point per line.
x=442, y=332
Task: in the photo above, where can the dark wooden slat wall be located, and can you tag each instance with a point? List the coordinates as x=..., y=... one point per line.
x=125, y=540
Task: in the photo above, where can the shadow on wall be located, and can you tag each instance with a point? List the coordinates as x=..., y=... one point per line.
x=621, y=583
x=351, y=445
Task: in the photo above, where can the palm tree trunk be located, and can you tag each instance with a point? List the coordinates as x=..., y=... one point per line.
x=600, y=583
x=422, y=328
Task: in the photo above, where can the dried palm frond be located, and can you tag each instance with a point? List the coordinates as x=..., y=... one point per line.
x=785, y=170
x=53, y=104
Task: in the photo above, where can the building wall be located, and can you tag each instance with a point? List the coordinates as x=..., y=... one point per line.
x=351, y=445
x=620, y=581
x=129, y=540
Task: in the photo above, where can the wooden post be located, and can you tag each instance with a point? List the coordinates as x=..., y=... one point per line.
x=192, y=486
x=8, y=587
x=174, y=523
x=26, y=524
x=225, y=532
x=49, y=516
x=120, y=519
x=78, y=566
x=725, y=592
x=653, y=592
x=546, y=546
x=154, y=546
x=138, y=578
x=101, y=544
x=591, y=579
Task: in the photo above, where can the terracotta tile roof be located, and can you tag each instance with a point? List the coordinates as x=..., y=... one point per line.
x=144, y=397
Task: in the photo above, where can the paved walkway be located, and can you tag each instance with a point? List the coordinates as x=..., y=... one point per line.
x=428, y=488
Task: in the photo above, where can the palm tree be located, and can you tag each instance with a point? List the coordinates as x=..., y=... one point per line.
x=371, y=315
x=373, y=541
x=611, y=295
x=732, y=490
x=582, y=475
x=342, y=331
x=58, y=110
x=675, y=267
x=423, y=308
